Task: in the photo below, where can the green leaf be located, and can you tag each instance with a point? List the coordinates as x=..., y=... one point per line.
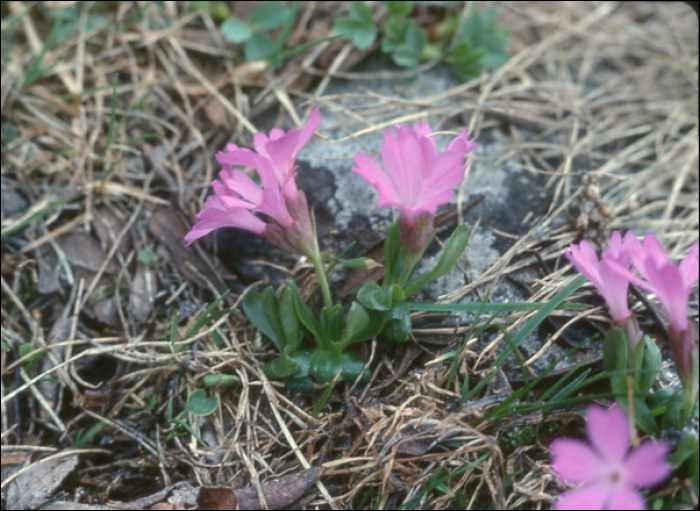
x=394, y=34
x=687, y=447
x=648, y=361
x=147, y=256
x=236, y=31
x=271, y=309
x=394, y=256
x=305, y=384
x=467, y=62
x=362, y=12
x=81, y=440
x=9, y=132
x=359, y=26
x=356, y=324
x=199, y=404
x=258, y=47
x=416, y=39
x=216, y=9
x=304, y=313
x=255, y=312
x=353, y=366
x=4, y=346
x=405, y=58
x=289, y=321
x=399, y=9
x=302, y=358
x=398, y=326
x=362, y=37
x=642, y=415
x=494, y=60
x=324, y=365
x=31, y=362
x=220, y=380
x=360, y=263
x=269, y=15
x=374, y=297
x=331, y=323
x=674, y=417
x=615, y=351
x=282, y=367
x=450, y=255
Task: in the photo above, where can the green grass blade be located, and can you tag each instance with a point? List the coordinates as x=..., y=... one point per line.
x=490, y=307
x=529, y=327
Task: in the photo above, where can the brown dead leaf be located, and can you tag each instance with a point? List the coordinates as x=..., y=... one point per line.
x=107, y=226
x=216, y=113
x=142, y=294
x=279, y=494
x=168, y=225
x=83, y=251
x=31, y=488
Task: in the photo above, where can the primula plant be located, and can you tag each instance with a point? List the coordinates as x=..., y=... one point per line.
x=417, y=179
x=632, y=359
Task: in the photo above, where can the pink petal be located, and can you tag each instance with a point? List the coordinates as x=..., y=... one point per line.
x=368, y=169
x=237, y=156
x=210, y=219
x=404, y=163
x=625, y=497
x=646, y=465
x=614, y=291
x=590, y=496
x=654, y=250
x=242, y=184
x=689, y=267
x=608, y=432
x=668, y=288
x=309, y=128
x=574, y=461
x=585, y=260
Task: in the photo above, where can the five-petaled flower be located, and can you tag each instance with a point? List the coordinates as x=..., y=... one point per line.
x=611, y=473
x=237, y=196
x=417, y=179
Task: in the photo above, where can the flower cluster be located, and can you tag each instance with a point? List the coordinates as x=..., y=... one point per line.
x=237, y=196
x=611, y=473
x=670, y=283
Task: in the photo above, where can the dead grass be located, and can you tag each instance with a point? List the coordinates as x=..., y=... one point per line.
x=599, y=89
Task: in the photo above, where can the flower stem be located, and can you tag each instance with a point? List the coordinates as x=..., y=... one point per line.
x=322, y=280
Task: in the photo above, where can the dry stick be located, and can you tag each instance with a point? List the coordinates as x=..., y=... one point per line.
x=272, y=397
x=145, y=443
x=190, y=67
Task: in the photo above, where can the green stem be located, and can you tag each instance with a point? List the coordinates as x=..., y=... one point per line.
x=323, y=280
x=315, y=255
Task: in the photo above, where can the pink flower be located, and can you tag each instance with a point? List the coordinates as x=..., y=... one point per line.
x=237, y=195
x=670, y=283
x=417, y=179
x=606, y=280
x=610, y=471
